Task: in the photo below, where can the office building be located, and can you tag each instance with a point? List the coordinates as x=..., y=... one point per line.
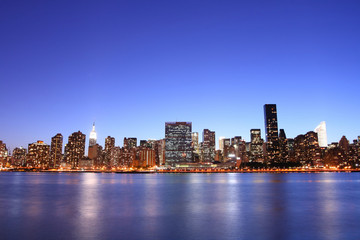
x=56, y=150
x=178, y=141
x=272, y=134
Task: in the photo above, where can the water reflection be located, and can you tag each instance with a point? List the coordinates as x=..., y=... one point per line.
x=179, y=206
x=89, y=205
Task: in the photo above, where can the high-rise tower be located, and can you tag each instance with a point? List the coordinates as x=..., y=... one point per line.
x=322, y=136
x=178, y=142
x=93, y=136
x=272, y=133
x=56, y=150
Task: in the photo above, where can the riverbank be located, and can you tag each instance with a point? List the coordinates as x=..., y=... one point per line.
x=187, y=171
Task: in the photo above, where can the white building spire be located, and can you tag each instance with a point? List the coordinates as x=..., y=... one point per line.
x=93, y=136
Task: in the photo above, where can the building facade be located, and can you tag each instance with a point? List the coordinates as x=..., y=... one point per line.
x=272, y=133
x=178, y=141
x=56, y=150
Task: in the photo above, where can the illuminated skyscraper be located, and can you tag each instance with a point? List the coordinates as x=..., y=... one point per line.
x=56, y=150
x=3, y=150
x=195, y=141
x=19, y=155
x=256, y=147
x=178, y=142
x=75, y=149
x=38, y=155
x=93, y=136
x=322, y=136
x=208, y=146
x=221, y=143
x=272, y=133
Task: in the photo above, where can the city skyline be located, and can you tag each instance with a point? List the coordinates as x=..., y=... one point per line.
x=91, y=136
x=131, y=66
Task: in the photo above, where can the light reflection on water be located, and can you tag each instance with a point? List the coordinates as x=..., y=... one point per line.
x=179, y=206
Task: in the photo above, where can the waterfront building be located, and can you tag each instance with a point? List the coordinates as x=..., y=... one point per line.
x=344, y=144
x=3, y=150
x=56, y=150
x=284, y=151
x=109, y=145
x=145, y=157
x=271, y=130
x=19, y=156
x=160, y=152
x=115, y=157
x=312, y=148
x=256, y=146
x=178, y=142
x=226, y=143
x=300, y=148
x=322, y=135
x=75, y=149
x=208, y=146
x=290, y=146
x=38, y=155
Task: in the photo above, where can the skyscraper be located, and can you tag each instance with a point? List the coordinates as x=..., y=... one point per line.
x=19, y=155
x=56, y=150
x=75, y=149
x=38, y=155
x=109, y=145
x=178, y=142
x=93, y=136
x=256, y=147
x=271, y=130
x=3, y=150
x=322, y=136
x=208, y=146
x=130, y=143
x=284, y=152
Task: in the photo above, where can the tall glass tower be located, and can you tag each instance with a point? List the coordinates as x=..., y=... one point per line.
x=272, y=132
x=178, y=141
x=322, y=136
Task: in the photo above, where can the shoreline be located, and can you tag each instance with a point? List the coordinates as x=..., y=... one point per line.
x=189, y=171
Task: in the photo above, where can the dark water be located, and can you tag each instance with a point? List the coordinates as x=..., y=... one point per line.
x=180, y=206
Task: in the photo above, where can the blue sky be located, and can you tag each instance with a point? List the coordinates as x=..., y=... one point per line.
x=130, y=66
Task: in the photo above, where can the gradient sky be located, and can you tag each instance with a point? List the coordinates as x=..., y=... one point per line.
x=130, y=66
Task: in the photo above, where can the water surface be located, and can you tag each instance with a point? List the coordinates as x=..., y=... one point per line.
x=180, y=206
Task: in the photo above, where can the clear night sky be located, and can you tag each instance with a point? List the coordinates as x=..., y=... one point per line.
x=130, y=66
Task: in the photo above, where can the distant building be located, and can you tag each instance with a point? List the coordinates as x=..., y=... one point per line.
x=3, y=150
x=115, y=157
x=284, y=151
x=160, y=151
x=38, y=155
x=208, y=146
x=19, y=156
x=93, y=136
x=322, y=135
x=221, y=143
x=56, y=150
x=178, y=142
x=109, y=145
x=272, y=133
x=256, y=147
x=130, y=143
x=75, y=149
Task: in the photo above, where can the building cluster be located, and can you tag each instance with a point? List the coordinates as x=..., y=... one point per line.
x=181, y=147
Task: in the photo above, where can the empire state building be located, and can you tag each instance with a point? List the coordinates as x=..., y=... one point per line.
x=93, y=136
